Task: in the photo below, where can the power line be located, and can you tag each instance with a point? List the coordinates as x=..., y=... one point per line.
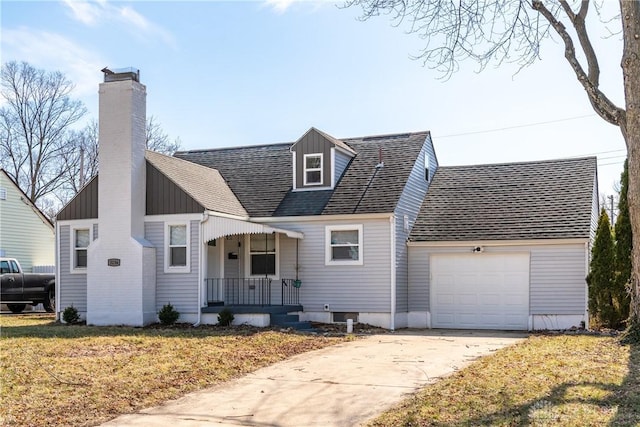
x=515, y=126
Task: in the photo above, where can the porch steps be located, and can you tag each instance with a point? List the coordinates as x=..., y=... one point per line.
x=285, y=320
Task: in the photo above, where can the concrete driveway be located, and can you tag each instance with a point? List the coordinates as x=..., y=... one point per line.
x=342, y=385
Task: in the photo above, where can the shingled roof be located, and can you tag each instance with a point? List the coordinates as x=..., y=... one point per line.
x=511, y=201
x=204, y=185
x=261, y=176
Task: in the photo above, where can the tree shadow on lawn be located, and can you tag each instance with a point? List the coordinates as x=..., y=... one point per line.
x=624, y=399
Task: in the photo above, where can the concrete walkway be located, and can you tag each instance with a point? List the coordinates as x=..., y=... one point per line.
x=342, y=385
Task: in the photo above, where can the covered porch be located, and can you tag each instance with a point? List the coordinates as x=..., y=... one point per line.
x=247, y=264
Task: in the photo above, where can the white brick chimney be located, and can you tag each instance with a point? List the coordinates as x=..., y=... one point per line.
x=121, y=263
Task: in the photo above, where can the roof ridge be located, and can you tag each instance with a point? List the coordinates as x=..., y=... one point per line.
x=386, y=135
x=237, y=147
x=524, y=162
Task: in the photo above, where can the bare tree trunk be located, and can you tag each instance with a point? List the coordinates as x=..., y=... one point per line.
x=630, y=128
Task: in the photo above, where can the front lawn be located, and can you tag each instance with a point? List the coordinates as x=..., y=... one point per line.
x=53, y=374
x=548, y=380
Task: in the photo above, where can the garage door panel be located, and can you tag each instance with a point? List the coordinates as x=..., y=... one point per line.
x=480, y=291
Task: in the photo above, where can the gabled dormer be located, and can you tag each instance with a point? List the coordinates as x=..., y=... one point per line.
x=319, y=160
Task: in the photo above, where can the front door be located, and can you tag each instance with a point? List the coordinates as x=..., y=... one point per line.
x=232, y=256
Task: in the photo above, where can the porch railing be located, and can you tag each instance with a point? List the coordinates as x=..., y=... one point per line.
x=251, y=291
x=290, y=292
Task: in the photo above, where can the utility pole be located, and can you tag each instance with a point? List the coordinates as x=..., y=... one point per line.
x=611, y=213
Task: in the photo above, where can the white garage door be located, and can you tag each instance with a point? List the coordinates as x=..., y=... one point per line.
x=480, y=291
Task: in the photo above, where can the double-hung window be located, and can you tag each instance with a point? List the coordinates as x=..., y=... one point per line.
x=262, y=254
x=177, y=248
x=81, y=239
x=343, y=245
x=313, y=169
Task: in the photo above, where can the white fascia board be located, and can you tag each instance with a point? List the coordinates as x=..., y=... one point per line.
x=225, y=215
x=499, y=242
x=173, y=217
x=296, y=190
x=343, y=217
x=79, y=222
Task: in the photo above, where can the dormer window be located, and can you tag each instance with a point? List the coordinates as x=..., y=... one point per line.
x=318, y=161
x=313, y=169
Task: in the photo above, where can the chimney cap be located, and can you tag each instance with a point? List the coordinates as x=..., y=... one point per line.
x=119, y=74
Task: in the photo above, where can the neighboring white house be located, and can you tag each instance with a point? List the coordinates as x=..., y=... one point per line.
x=317, y=228
x=25, y=232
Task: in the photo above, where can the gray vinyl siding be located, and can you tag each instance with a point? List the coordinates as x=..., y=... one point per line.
x=71, y=287
x=342, y=161
x=179, y=289
x=352, y=288
x=409, y=204
x=556, y=284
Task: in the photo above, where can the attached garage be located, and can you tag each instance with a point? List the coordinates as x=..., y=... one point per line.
x=504, y=246
x=480, y=291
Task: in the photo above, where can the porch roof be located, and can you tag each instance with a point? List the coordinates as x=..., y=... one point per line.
x=218, y=226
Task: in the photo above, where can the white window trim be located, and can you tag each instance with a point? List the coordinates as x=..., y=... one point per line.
x=247, y=258
x=72, y=247
x=327, y=242
x=320, y=169
x=167, y=255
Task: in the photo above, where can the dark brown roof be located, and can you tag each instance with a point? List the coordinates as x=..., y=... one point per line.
x=261, y=176
x=512, y=201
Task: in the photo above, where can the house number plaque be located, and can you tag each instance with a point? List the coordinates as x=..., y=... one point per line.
x=113, y=262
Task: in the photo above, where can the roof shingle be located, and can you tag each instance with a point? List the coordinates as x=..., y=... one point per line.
x=261, y=176
x=205, y=185
x=512, y=201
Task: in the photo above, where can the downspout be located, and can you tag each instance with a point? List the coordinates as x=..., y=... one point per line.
x=392, y=245
x=205, y=218
x=57, y=261
x=586, y=287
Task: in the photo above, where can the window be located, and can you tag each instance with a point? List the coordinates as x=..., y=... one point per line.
x=313, y=169
x=262, y=254
x=81, y=239
x=4, y=267
x=3, y=193
x=343, y=245
x=177, y=246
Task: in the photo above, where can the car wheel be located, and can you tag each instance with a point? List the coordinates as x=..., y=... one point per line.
x=16, y=308
x=50, y=303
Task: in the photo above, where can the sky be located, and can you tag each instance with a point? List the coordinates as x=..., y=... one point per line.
x=223, y=74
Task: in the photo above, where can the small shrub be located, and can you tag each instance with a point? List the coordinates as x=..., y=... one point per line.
x=225, y=317
x=70, y=315
x=168, y=315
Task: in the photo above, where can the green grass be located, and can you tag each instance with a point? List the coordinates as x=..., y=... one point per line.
x=53, y=374
x=545, y=381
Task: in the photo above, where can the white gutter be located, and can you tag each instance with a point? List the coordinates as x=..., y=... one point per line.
x=56, y=230
x=586, y=286
x=392, y=245
x=341, y=217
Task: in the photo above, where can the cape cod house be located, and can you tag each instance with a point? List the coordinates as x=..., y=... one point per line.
x=315, y=230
